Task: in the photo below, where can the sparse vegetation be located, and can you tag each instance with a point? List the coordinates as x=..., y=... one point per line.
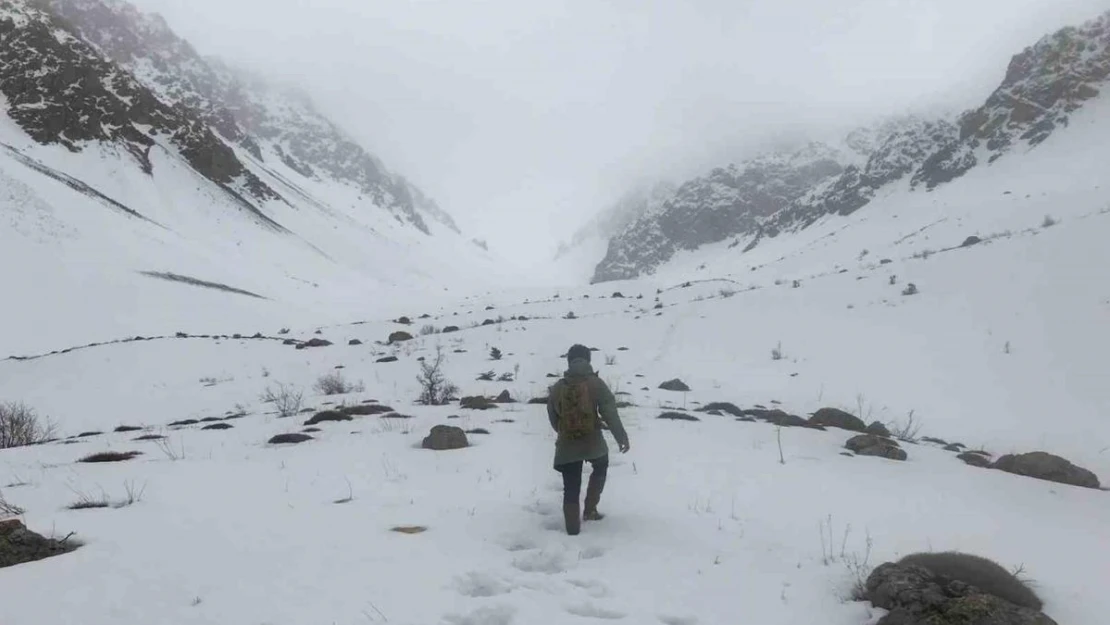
x=911, y=289
x=428, y=330
x=487, y=376
x=776, y=352
x=287, y=399
x=505, y=377
x=435, y=389
x=9, y=509
x=495, y=354
x=907, y=431
x=21, y=426
x=335, y=384
x=610, y=359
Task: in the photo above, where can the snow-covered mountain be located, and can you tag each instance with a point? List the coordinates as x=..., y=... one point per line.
x=123, y=149
x=1043, y=87
x=588, y=244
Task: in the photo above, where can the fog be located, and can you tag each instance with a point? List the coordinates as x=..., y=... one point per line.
x=523, y=118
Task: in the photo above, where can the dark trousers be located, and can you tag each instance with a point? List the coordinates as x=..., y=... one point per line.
x=572, y=477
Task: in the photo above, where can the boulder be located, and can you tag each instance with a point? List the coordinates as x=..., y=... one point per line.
x=1046, y=466
x=314, y=343
x=505, y=398
x=674, y=385
x=19, y=545
x=477, y=402
x=449, y=329
x=914, y=595
x=328, y=415
x=972, y=240
x=722, y=406
x=832, y=417
x=399, y=336
x=387, y=359
x=677, y=416
x=354, y=342
x=878, y=429
x=975, y=460
x=365, y=409
x=444, y=437
x=871, y=445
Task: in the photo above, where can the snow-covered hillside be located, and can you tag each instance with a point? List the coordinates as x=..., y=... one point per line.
x=122, y=151
x=1044, y=87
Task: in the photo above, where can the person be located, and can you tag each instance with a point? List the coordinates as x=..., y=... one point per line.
x=582, y=393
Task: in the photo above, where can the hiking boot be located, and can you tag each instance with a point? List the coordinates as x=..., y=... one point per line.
x=570, y=514
x=593, y=497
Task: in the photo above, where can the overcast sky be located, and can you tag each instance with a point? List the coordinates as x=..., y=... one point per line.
x=522, y=117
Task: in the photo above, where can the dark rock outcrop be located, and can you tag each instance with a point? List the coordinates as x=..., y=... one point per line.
x=445, y=437
x=18, y=545
x=674, y=385
x=871, y=445
x=1046, y=466
x=832, y=417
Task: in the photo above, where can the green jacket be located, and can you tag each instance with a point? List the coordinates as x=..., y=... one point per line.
x=593, y=446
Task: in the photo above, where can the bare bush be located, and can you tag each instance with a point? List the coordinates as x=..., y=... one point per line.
x=335, y=384
x=21, y=426
x=776, y=353
x=907, y=431
x=435, y=389
x=287, y=399
x=428, y=330
x=611, y=359
x=9, y=509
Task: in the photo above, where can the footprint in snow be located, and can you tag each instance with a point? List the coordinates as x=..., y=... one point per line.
x=519, y=543
x=480, y=585
x=589, y=610
x=486, y=615
x=593, y=588
x=677, y=620
x=591, y=553
x=541, y=562
x=554, y=524
x=543, y=508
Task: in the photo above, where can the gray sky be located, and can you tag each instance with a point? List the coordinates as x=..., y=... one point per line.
x=523, y=117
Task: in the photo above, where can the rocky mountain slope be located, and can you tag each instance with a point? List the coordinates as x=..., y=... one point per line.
x=1044, y=85
x=123, y=149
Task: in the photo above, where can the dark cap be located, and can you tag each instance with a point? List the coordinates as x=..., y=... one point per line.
x=578, y=351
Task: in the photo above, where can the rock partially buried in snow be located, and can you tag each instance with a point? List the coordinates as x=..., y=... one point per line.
x=1046, y=466
x=505, y=398
x=674, y=385
x=914, y=595
x=878, y=429
x=677, y=416
x=354, y=342
x=289, y=439
x=832, y=417
x=399, y=336
x=328, y=415
x=314, y=343
x=18, y=545
x=445, y=437
x=975, y=460
x=476, y=402
x=387, y=359
x=871, y=445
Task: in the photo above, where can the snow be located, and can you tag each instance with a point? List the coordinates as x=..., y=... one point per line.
x=1003, y=348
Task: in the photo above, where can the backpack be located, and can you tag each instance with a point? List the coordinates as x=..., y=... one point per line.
x=575, y=408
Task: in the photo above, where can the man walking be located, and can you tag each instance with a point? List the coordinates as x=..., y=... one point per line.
x=577, y=405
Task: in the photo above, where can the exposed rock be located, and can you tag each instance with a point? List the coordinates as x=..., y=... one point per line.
x=478, y=431
x=127, y=428
x=354, y=342
x=674, y=385
x=955, y=447
x=449, y=329
x=399, y=336
x=832, y=417
x=477, y=402
x=677, y=416
x=290, y=438
x=871, y=445
x=877, y=428
x=934, y=440
x=538, y=400
x=314, y=342
x=1046, y=466
x=915, y=595
x=329, y=415
x=972, y=240
x=445, y=437
x=722, y=406
x=975, y=460
x=387, y=359
x=365, y=409
x=18, y=545
x=405, y=321
x=505, y=398
x=218, y=426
